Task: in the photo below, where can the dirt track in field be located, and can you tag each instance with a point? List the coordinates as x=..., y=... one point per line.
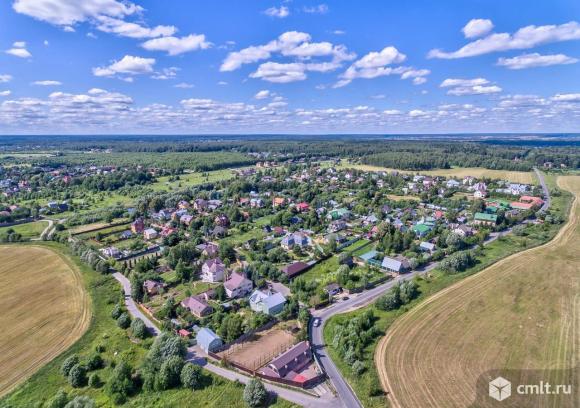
x=45, y=309
x=520, y=313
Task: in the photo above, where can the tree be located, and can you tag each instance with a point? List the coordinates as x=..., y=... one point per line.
x=77, y=376
x=124, y=321
x=120, y=384
x=343, y=275
x=191, y=376
x=59, y=400
x=95, y=380
x=182, y=272
x=139, y=329
x=454, y=241
x=344, y=258
x=169, y=373
x=81, y=401
x=409, y=291
x=391, y=300
x=255, y=394
x=227, y=252
x=358, y=367
x=95, y=362
x=116, y=312
x=136, y=288
x=69, y=363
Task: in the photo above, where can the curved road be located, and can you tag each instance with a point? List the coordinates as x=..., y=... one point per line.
x=343, y=389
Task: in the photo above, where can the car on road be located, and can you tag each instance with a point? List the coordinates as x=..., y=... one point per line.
x=345, y=298
x=316, y=322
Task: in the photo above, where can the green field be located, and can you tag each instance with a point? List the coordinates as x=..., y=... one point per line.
x=191, y=179
x=28, y=230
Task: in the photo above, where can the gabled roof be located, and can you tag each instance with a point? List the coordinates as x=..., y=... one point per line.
x=288, y=356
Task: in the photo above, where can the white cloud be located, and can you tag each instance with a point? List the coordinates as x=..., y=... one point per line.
x=132, y=30
x=526, y=37
x=535, y=60
x=129, y=65
x=222, y=83
x=46, y=43
x=477, y=27
x=280, y=73
x=463, y=82
x=417, y=112
x=19, y=50
x=183, y=85
x=474, y=90
x=5, y=78
x=278, y=12
x=166, y=73
x=176, y=46
x=263, y=94
x=319, y=9
x=373, y=65
x=47, y=83
x=566, y=97
x=5, y=93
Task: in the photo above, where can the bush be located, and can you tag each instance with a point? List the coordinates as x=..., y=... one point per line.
x=139, y=329
x=95, y=362
x=191, y=376
x=120, y=385
x=69, y=363
x=58, y=401
x=81, y=402
x=358, y=367
x=255, y=394
x=77, y=376
x=116, y=312
x=124, y=321
x=95, y=380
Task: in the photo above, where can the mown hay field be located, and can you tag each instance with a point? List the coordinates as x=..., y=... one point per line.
x=520, y=316
x=44, y=310
x=523, y=177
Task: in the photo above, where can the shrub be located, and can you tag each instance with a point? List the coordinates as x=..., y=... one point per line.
x=124, y=321
x=95, y=362
x=81, y=402
x=139, y=329
x=120, y=384
x=255, y=394
x=77, y=376
x=191, y=376
x=358, y=367
x=69, y=363
x=59, y=400
x=169, y=373
x=117, y=311
x=95, y=381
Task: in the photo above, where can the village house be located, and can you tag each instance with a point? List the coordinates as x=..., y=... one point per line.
x=207, y=340
x=294, y=269
x=152, y=287
x=150, y=233
x=484, y=219
x=289, y=363
x=303, y=207
x=111, y=252
x=197, y=306
x=427, y=247
x=399, y=264
x=278, y=202
x=463, y=230
x=213, y=270
x=137, y=226
x=200, y=205
x=295, y=239
x=336, y=226
x=267, y=301
x=237, y=285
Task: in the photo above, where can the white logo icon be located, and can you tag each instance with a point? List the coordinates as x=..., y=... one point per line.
x=500, y=389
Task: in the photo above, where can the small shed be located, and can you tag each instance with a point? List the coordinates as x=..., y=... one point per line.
x=208, y=340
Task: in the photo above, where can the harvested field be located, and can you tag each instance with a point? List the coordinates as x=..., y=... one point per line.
x=460, y=172
x=45, y=309
x=260, y=349
x=518, y=318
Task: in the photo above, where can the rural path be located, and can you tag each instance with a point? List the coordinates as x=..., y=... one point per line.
x=548, y=200
x=196, y=356
x=407, y=341
x=44, y=231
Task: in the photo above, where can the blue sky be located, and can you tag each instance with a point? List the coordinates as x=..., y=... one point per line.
x=183, y=66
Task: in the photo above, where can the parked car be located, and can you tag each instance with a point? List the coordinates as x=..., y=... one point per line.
x=316, y=322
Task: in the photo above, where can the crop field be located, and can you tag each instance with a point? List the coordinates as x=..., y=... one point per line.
x=260, y=349
x=44, y=310
x=459, y=172
x=520, y=316
x=192, y=179
x=28, y=230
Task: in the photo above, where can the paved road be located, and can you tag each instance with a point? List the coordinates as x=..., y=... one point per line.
x=132, y=307
x=548, y=199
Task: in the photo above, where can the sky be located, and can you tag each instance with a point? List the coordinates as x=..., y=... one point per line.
x=304, y=67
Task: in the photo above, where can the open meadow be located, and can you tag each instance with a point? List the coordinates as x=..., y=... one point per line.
x=519, y=316
x=458, y=172
x=44, y=310
x=28, y=230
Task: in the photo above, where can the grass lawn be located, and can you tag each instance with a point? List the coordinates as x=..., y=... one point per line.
x=28, y=230
x=105, y=292
x=367, y=386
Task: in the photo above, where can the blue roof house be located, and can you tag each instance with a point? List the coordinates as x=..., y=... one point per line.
x=208, y=340
x=268, y=302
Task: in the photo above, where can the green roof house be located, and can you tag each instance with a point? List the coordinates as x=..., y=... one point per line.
x=484, y=219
